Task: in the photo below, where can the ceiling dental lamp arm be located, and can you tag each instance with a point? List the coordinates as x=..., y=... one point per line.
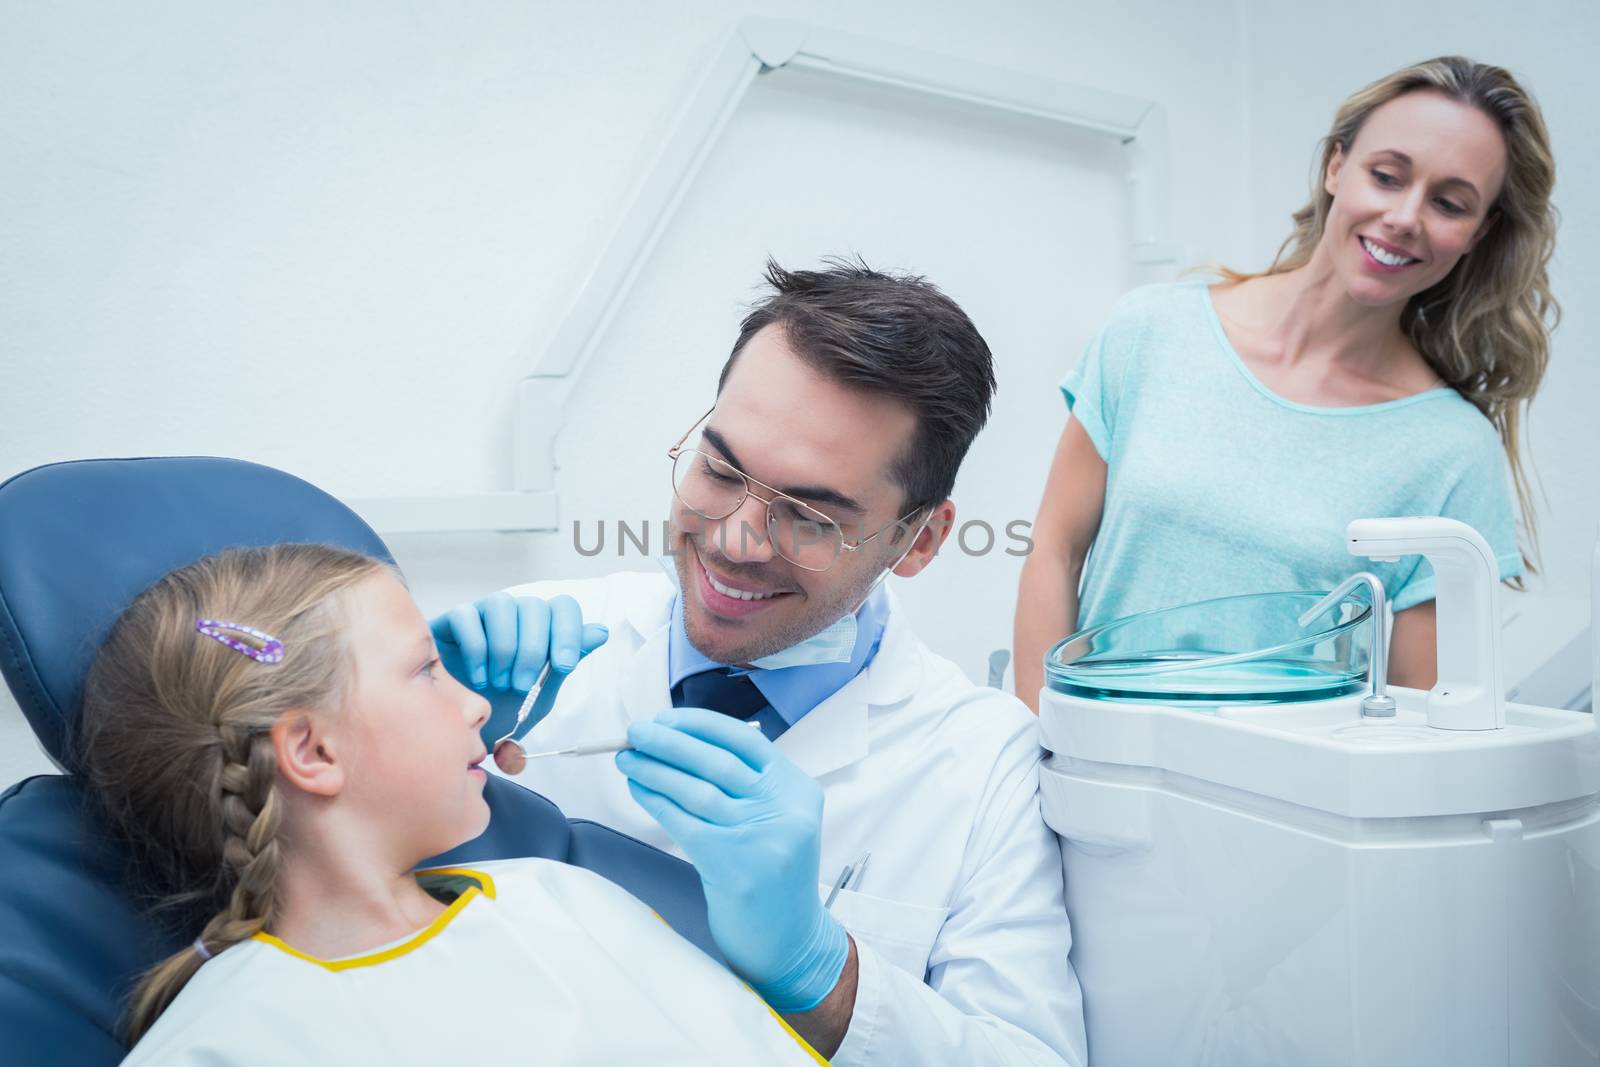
x=759, y=46
x=763, y=45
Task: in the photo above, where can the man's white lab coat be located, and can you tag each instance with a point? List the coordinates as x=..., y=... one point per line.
x=959, y=918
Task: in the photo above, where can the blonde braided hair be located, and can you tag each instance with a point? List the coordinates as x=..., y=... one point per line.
x=176, y=741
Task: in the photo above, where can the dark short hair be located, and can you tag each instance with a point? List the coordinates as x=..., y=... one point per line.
x=895, y=335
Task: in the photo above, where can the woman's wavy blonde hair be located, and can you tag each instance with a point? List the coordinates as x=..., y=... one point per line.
x=1484, y=329
x=176, y=738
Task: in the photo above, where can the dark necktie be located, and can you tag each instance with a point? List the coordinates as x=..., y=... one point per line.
x=731, y=694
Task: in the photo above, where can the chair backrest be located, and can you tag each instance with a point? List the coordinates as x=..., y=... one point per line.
x=78, y=541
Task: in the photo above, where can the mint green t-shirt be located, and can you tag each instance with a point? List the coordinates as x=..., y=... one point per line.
x=1216, y=486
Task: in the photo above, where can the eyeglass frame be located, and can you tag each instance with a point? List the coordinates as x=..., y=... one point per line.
x=677, y=449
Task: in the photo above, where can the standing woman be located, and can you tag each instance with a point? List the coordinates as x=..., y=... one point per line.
x=1223, y=435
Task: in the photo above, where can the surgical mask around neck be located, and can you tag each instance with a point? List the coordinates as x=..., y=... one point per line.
x=835, y=643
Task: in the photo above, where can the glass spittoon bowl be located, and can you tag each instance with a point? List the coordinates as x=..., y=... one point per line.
x=1232, y=650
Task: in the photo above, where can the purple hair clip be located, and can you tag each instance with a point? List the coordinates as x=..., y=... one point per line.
x=269, y=651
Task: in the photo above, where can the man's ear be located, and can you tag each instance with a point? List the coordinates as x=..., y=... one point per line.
x=308, y=753
x=940, y=522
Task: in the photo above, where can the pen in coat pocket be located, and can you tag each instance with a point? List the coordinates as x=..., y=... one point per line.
x=850, y=869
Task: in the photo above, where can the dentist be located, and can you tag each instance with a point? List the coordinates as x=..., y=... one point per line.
x=841, y=418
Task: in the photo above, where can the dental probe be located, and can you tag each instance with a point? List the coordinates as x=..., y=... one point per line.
x=508, y=755
x=593, y=748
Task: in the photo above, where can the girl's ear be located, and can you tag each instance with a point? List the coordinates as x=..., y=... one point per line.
x=307, y=753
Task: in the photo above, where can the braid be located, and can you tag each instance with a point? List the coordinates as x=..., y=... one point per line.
x=248, y=813
x=250, y=816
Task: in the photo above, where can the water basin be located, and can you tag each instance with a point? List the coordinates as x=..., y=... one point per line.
x=1231, y=650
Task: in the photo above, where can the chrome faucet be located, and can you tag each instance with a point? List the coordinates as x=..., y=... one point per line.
x=1377, y=705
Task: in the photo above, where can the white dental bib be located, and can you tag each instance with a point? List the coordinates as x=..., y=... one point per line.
x=547, y=964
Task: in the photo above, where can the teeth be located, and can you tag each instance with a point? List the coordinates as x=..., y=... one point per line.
x=737, y=594
x=1386, y=258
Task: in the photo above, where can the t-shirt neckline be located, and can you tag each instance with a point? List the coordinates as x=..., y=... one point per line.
x=1215, y=320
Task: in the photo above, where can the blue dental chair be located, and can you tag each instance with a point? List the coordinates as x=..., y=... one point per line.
x=78, y=541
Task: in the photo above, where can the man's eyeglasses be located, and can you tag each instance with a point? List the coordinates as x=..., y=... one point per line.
x=713, y=488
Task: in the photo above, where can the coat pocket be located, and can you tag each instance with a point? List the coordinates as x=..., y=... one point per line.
x=901, y=933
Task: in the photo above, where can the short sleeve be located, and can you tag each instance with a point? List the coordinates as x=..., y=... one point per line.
x=1086, y=395
x=1482, y=500
x=1093, y=388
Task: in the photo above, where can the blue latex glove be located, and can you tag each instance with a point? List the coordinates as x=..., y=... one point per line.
x=500, y=645
x=751, y=823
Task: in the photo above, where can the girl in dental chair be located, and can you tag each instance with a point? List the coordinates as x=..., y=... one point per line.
x=272, y=732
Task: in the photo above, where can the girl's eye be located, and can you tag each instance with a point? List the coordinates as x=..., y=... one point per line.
x=428, y=668
x=1450, y=208
x=1384, y=178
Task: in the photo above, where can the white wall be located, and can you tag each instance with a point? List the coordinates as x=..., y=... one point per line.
x=379, y=210
x=328, y=240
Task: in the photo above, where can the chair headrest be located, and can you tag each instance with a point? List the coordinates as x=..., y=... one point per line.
x=61, y=589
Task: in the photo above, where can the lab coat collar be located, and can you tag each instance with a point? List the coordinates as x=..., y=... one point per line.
x=647, y=614
x=644, y=689
x=643, y=685
x=835, y=733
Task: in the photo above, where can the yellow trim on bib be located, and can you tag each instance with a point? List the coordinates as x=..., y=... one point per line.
x=485, y=887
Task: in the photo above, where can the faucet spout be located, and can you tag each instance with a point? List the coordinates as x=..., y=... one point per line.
x=1378, y=704
x=1470, y=692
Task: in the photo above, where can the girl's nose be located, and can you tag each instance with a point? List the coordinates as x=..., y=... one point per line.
x=475, y=709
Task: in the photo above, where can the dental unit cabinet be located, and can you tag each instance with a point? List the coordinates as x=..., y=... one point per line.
x=1262, y=870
